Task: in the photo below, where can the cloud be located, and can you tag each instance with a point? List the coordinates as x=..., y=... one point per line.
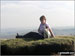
x=26, y=13
x=40, y=4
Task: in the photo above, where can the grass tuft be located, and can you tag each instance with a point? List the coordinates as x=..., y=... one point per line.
x=32, y=46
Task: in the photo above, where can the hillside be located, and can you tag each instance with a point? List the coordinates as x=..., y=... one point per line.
x=43, y=46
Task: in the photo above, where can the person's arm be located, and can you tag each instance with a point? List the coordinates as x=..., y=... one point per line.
x=52, y=35
x=38, y=29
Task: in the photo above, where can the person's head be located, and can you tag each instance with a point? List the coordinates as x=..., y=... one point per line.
x=43, y=19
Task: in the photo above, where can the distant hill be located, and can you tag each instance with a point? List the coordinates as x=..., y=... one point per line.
x=11, y=33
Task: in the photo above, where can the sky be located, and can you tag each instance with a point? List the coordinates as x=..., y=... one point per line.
x=26, y=14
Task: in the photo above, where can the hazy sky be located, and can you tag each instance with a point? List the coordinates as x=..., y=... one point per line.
x=23, y=14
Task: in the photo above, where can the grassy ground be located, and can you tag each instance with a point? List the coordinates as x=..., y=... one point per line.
x=43, y=46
